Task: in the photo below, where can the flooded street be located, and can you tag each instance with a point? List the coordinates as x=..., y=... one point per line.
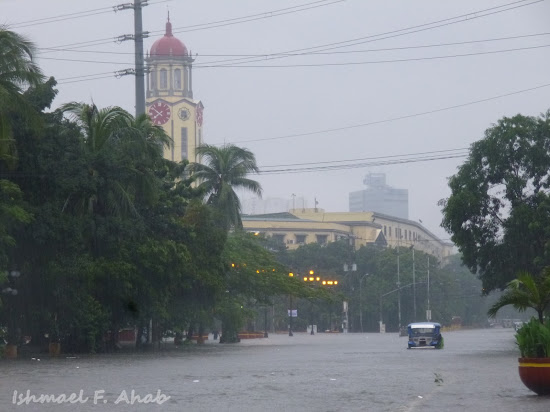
x=477, y=371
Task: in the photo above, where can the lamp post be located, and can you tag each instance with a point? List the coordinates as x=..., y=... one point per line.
x=312, y=278
x=265, y=321
x=351, y=268
x=398, y=284
x=290, y=311
x=414, y=285
x=361, y=300
x=428, y=312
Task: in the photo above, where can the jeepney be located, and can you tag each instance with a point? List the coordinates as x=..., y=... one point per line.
x=425, y=334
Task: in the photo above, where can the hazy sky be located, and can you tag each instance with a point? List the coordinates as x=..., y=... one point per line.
x=365, y=96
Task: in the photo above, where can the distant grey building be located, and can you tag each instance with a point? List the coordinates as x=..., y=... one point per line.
x=379, y=197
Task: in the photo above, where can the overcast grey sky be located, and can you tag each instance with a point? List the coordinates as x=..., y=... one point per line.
x=359, y=85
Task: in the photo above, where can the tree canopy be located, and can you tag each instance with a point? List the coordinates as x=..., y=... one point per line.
x=223, y=170
x=498, y=213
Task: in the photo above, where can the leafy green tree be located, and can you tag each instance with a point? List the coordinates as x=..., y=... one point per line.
x=12, y=213
x=120, y=148
x=498, y=211
x=253, y=278
x=225, y=169
x=17, y=71
x=526, y=292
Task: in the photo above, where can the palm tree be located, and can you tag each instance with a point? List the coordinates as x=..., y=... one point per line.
x=123, y=154
x=17, y=72
x=526, y=292
x=224, y=169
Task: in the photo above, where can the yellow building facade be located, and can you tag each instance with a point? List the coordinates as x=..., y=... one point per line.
x=303, y=226
x=169, y=99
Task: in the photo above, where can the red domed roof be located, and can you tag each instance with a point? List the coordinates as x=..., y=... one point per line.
x=168, y=45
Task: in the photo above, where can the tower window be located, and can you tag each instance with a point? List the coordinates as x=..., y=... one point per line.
x=184, y=139
x=177, y=79
x=163, y=79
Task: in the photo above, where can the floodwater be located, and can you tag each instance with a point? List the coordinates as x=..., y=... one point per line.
x=476, y=371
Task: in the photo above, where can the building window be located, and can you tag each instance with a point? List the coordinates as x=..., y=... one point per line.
x=163, y=79
x=278, y=238
x=390, y=231
x=385, y=230
x=177, y=79
x=153, y=80
x=184, y=140
x=301, y=239
x=322, y=239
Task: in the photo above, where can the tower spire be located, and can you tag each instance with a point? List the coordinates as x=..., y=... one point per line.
x=168, y=26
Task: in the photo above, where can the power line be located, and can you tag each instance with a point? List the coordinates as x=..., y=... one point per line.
x=259, y=16
x=83, y=76
x=62, y=17
x=281, y=54
x=313, y=53
x=85, y=80
x=72, y=16
x=325, y=64
x=393, y=119
x=280, y=66
x=372, y=158
x=391, y=34
x=266, y=14
x=358, y=165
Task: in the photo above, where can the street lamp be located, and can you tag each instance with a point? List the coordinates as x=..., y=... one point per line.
x=312, y=278
x=361, y=300
x=290, y=311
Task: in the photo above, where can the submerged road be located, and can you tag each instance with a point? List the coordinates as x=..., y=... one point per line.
x=476, y=371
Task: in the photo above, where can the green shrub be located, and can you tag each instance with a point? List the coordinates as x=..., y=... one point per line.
x=533, y=339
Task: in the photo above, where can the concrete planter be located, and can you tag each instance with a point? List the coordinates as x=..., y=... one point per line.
x=535, y=374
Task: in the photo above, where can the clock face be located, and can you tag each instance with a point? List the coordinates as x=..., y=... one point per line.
x=183, y=113
x=159, y=112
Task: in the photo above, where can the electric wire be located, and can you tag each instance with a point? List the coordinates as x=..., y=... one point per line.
x=411, y=59
x=268, y=14
x=372, y=158
x=326, y=64
x=72, y=16
x=388, y=35
x=422, y=46
x=358, y=165
x=393, y=119
x=109, y=40
x=85, y=80
x=261, y=16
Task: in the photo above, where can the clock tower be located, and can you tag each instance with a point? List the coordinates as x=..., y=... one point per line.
x=170, y=102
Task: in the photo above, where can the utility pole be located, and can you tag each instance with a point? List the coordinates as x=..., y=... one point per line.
x=414, y=286
x=138, y=36
x=428, y=312
x=398, y=283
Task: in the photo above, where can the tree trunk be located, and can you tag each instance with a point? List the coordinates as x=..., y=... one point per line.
x=200, y=339
x=229, y=334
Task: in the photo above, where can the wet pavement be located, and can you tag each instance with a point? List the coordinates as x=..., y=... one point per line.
x=476, y=371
